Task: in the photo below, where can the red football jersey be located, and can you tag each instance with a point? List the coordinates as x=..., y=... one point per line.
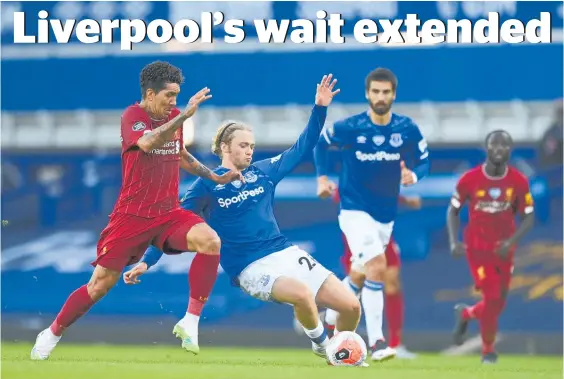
x=150, y=181
x=493, y=204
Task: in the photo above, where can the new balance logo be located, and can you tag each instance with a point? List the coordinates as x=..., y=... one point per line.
x=379, y=156
x=242, y=196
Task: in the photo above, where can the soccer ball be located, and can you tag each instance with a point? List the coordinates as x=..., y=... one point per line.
x=346, y=349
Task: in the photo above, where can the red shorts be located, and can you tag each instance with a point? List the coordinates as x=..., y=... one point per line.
x=126, y=237
x=392, y=255
x=491, y=274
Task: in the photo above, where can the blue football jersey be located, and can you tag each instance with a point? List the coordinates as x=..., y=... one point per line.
x=371, y=155
x=242, y=214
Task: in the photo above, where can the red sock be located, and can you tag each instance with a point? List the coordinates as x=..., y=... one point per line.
x=78, y=303
x=488, y=324
x=201, y=279
x=394, y=316
x=474, y=311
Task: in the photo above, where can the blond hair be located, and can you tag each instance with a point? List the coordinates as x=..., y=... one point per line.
x=224, y=134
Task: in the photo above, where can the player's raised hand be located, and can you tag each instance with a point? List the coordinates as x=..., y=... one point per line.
x=457, y=249
x=325, y=187
x=503, y=249
x=325, y=92
x=132, y=276
x=195, y=101
x=407, y=177
x=228, y=177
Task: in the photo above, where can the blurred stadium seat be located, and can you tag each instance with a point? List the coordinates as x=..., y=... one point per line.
x=458, y=122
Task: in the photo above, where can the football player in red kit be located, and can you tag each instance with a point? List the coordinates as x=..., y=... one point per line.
x=495, y=193
x=147, y=209
x=392, y=284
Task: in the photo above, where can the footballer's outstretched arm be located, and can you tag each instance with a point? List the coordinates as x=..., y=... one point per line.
x=164, y=133
x=159, y=136
x=190, y=164
x=280, y=166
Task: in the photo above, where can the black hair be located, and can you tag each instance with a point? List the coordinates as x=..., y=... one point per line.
x=382, y=75
x=497, y=131
x=157, y=75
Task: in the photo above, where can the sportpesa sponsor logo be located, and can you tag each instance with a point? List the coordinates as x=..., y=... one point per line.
x=225, y=203
x=379, y=156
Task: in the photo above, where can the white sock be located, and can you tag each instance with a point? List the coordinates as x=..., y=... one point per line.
x=331, y=315
x=190, y=323
x=318, y=335
x=373, y=304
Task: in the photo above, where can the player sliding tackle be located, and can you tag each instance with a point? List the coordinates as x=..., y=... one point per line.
x=380, y=151
x=147, y=210
x=255, y=255
x=496, y=192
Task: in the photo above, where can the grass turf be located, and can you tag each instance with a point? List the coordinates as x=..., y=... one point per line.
x=153, y=362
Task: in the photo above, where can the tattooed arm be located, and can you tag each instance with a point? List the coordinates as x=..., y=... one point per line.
x=190, y=164
x=161, y=135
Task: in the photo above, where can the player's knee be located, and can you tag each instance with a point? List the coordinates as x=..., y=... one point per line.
x=375, y=268
x=392, y=283
x=212, y=245
x=351, y=307
x=357, y=278
x=303, y=297
x=101, y=282
x=203, y=239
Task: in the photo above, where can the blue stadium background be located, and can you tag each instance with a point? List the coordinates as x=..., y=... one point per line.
x=61, y=172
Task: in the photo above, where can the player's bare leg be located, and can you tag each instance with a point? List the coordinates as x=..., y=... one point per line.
x=297, y=294
x=352, y=282
x=203, y=271
x=77, y=304
x=339, y=299
x=334, y=295
x=373, y=304
x=394, y=312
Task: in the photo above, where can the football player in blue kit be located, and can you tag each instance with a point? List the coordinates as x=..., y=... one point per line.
x=254, y=253
x=380, y=151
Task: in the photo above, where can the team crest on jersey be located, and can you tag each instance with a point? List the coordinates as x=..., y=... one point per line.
x=250, y=177
x=361, y=139
x=509, y=193
x=237, y=183
x=395, y=140
x=138, y=126
x=495, y=193
x=379, y=140
x=480, y=193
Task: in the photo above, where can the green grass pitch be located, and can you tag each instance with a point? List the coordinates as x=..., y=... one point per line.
x=154, y=362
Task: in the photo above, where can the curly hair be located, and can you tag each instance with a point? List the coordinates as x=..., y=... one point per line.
x=157, y=75
x=225, y=135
